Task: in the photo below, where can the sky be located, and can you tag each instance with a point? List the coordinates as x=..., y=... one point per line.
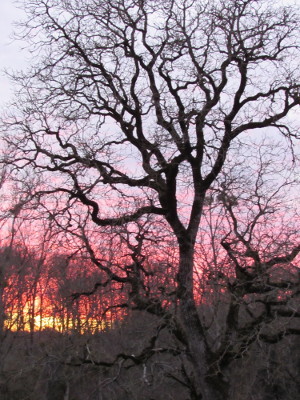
x=11, y=56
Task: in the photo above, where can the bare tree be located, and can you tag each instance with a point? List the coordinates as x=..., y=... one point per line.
x=131, y=112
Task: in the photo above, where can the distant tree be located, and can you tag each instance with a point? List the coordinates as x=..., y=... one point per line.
x=128, y=119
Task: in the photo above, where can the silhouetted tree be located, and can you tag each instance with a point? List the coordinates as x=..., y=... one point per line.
x=128, y=119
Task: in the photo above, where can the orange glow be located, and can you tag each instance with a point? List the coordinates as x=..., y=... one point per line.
x=33, y=317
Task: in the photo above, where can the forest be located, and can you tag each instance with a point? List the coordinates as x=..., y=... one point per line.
x=149, y=218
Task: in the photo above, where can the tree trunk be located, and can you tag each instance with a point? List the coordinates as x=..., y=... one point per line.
x=197, y=347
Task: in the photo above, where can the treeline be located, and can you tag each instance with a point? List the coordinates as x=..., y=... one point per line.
x=57, y=292
x=67, y=292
